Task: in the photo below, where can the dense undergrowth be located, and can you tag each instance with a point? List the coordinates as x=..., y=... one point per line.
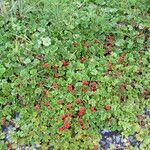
x=70, y=68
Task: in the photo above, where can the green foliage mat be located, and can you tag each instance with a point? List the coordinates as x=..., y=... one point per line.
x=72, y=67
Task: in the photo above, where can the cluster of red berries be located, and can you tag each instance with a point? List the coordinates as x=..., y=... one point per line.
x=64, y=116
x=81, y=111
x=93, y=86
x=66, y=125
x=80, y=121
x=109, y=44
x=110, y=66
x=121, y=58
x=70, y=87
x=85, y=43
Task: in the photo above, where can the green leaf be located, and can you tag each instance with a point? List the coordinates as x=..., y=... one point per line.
x=46, y=41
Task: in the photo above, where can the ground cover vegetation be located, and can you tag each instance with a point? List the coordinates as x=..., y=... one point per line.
x=74, y=74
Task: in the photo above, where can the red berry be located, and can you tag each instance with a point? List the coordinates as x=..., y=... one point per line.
x=85, y=82
x=78, y=101
x=70, y=87
x=95, y=148
x=56, y=75
x=81, y=111
x=39, y=56
x=69, y=106
x=109, y=44
x=46, y=103
x=93, y=86
x=46, y=92
x=107, y=107
x=96, y=41
x=9, y=146
x=37, y=106
x=61, y=128
x=66, y=124
x=45, y=65
x=83, y=126
x=65, y=63
x=109, y=37
x=69, y=114
x=110, y=66
x=55, y=85
x=60, y=102
x=64, y=116
x=121, y=58
x=80, y=120
x=85, y=43
x=82, y=59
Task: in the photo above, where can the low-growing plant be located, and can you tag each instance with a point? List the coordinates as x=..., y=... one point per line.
x=69, y=68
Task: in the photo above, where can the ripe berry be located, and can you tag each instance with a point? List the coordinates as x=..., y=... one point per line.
x=69, y=114
x=85, y=82
x=81, y=111
x=85, y=43
x=46, y=103
x=107, y=107
x=80, y=120
x=83, y=126
x=108, y=51
x=56, y=75
x=93, y=86
x=61, y=128
x=109, y=66
x=121, y=58
x=109, y=44
x=70, y=87
x=96, y=41
x=95, y=148
x=55, y=85
x=37, y=106
x=64, y=116
x=78, y=101
x=66, y=124
x=46, y=92
x=65, y=63
x=45, y=65
x=82, y=59
x=109, y=37
x=69, y=106
x=60, y=102
x=39, y=56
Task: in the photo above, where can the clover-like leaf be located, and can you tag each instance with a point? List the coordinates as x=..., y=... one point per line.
x=46, y=41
